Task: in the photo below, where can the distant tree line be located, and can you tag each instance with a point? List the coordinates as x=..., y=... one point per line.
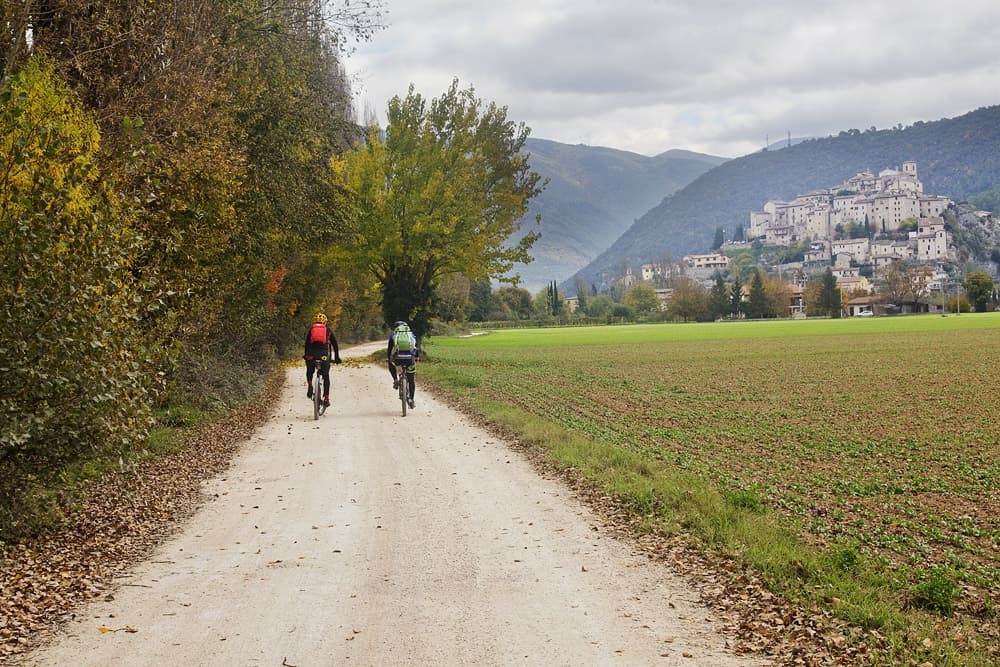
x=760, y=295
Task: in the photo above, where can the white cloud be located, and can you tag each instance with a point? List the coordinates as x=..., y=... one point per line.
x=716, y=76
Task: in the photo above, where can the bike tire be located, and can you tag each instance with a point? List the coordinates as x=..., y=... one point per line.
x=404, y=391
x=317, y=394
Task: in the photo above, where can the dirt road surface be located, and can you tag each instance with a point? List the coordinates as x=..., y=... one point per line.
x=366, y=538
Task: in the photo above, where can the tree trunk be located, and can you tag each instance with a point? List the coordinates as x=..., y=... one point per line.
x=408, y=295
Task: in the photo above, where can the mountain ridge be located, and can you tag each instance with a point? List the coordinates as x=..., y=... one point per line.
x=593, y=195
x=957, y=157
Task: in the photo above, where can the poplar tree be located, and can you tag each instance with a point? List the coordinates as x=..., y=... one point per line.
x=718, y=300
x=757, y=305
x=439, y=191
x=829, y=296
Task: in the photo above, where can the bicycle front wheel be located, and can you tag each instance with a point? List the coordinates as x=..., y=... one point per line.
x=317, y=394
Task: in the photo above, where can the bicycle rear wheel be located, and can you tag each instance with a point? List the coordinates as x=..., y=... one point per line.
x=404, y=391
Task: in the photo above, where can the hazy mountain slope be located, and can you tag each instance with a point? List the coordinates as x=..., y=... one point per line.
x=594, y=194
x=956, y=157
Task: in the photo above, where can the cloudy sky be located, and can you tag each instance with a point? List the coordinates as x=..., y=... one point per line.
x=715, y=76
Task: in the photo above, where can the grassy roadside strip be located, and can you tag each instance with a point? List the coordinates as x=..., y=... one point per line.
x=850, y=609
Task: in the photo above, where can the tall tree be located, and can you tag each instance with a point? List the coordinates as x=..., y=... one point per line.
x=757, y=304
x=720, y=238
x=480, y=294
x=293, y=112
x=442, y=192
x=718, y=299
x=517, y=301
x=902, y=282
x=453, y=301
x=555, y=306
x=829, y=295
x=641, y=299
x=583, y=293
x=736, y=306
x=979, y=288
x=690, y=301
x=778, y=295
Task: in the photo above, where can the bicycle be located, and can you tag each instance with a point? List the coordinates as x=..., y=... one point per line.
x=403, y=379
x=317, y=390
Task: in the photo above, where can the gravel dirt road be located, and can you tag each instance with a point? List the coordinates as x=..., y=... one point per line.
x=366, y=538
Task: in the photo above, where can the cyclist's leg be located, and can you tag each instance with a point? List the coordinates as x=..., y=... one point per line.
x=392, y=372
x=310, y=367
x=411, y=377
x=324, y=370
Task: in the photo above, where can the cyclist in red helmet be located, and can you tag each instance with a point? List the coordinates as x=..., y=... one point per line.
x=321, y=344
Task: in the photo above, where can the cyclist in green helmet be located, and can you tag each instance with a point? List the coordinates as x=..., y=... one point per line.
x=402, y=350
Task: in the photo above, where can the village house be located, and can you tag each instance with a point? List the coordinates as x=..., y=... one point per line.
x=854, y=284
x=845, y=272
x=629, y=278
x=889, y=209
x=863, y=304
x=796, y=300
x=842, y=259
x=710, y=261
x=818, y=254
x=653, y=271
x=932, y=239
x=859, y=250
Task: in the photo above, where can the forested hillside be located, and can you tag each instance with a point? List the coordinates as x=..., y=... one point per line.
x=958, y=157
x=593, y=195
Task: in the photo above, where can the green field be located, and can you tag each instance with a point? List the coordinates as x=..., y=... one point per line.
x=880, y=436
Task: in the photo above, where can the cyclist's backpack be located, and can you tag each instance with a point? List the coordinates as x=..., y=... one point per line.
x=318, y=333
x=402, y=342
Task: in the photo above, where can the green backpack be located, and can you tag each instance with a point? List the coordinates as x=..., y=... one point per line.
x=402, y=342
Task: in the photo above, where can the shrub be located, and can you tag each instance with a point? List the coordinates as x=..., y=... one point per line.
x=937, y=592
x=70, y=382
x=845, y=558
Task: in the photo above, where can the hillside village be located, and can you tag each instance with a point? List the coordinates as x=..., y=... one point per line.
x=856, y=229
